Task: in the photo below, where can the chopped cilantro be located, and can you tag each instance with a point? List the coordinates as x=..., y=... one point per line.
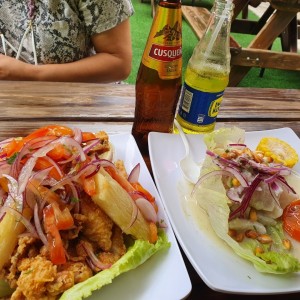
x=74, y=200
x=11, y=160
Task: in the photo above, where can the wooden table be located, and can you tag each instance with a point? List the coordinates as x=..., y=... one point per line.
x=28, y=105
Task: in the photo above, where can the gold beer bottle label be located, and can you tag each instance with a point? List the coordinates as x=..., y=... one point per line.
x=163, y=51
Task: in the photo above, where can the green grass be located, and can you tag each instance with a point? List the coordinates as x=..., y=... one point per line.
x=141, y=23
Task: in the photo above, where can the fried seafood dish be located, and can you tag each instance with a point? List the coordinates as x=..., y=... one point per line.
x=69, y=212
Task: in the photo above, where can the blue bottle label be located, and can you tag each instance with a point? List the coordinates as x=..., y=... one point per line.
x=197, y=107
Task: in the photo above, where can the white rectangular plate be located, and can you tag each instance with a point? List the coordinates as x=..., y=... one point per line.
x=164, y=275
x=218, y=266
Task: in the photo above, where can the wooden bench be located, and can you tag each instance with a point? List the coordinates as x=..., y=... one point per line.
x=198, y=18
x=258, y=53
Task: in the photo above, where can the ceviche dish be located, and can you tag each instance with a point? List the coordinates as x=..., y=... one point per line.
x=251, y=198
x=72, y=217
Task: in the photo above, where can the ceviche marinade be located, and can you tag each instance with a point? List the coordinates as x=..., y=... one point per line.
x=252, y=205
x=70, y=212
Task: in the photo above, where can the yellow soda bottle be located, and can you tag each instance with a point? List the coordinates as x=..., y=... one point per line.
x=207, y=73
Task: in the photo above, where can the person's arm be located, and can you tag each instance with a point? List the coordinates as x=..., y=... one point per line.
x=112, y=62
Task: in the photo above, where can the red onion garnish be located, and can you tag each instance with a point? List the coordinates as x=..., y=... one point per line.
x=147, y=209
x=93, y=258
x=19, y=217
x=38, y=225
x=135, y=173
x=248, y=192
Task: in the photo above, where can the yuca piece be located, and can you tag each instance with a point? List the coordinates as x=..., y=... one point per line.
x=10, y=228
x=118, y=205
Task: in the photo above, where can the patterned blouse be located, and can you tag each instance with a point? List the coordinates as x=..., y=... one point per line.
x=61, y=29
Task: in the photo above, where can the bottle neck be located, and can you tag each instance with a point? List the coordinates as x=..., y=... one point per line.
x=170, y=3
x=217, y=36
x=213, y=50
x=223, y=7
x=220, y=22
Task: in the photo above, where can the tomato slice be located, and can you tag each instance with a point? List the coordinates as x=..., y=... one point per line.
x=59, y=152
x=43, y=163
x=120, y=179
x=89, y=185
x=4, y=184
x=63, y=218
x=291, y=219
x=14, y=146
x=56, y=249
x=56, y=130
x=87, y=136
x=50, y=130
x=138, y=187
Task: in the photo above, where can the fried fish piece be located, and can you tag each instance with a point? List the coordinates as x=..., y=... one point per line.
x=118, y=248
x=97, y=226
x=36, y=273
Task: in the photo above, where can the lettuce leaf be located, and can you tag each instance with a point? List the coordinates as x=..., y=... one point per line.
x=219, y=139
x=136, y=255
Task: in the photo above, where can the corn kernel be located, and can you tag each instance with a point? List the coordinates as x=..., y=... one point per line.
x=237, y=152
x=249, y=152
x=252, y=234
x=239, y=236
x=287, y=244
x=267, y=159
x=258, y=156
x=235, y=182
x=258, y=250
x=264, y=239
x=253, y=215
x=231, y=232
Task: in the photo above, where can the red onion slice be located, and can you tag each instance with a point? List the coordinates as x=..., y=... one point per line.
x=27, y=149
x=209, y=175
x=147, y=209
x=233, y=195
x=23, y=220
x=237, y=145
x=38, y=225
x=94, y=259
x=135, y=173
x=134, y=214
x=246, y=198
x=238, y=175
x=77, y=135
x=90, y=145
x=26, y=173
x=14, y=198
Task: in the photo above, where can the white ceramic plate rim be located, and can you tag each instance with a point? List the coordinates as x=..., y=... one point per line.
x=164, y=275
x=217, y=265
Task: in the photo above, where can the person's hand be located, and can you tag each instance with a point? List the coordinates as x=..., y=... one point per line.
x=12, y=69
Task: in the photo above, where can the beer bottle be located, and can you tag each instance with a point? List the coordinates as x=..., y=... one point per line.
x=159, y=78
x=207, y=73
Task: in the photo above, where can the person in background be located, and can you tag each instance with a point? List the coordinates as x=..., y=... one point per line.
x=65, y=40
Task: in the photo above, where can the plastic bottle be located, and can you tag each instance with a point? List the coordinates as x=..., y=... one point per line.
x=159, y=78
x=207, y=73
